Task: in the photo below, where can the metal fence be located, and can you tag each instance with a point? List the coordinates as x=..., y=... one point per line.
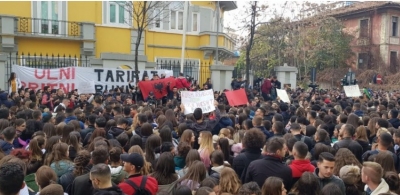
x=44, y=61
x=199, y=71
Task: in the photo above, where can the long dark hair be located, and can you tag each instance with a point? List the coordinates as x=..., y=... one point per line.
x=12, y=77
x=223, y=144
x=164, y=171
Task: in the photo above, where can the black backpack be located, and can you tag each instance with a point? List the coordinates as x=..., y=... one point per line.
x=139, y=190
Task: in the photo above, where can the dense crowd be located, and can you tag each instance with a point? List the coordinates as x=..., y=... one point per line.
x=114, y=143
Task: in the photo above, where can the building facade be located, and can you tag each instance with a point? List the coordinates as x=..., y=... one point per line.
x=103, y=33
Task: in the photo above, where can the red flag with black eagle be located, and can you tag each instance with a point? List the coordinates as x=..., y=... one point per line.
x=158, y=87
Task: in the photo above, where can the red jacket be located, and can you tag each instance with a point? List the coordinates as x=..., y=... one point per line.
x=181, y=82
x=151, y=185
x=266, y=86
x=300, y=166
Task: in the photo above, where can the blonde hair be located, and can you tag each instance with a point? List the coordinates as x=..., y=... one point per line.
x=374, y=171
x=206, y=141
x=382, y=130
x=229, y=181
x=361, y=133
x=146, y=169
x=225, y=133
x=238, y=136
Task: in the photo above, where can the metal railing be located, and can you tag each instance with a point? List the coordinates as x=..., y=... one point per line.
x=38, y=26
x=198, y=71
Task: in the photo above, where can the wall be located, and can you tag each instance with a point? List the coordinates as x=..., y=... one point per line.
x=85, y=11
x=111, y=39
x=48, y=46
x=16, y=8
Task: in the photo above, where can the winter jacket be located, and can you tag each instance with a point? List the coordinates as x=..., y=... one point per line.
x=224, y=122
x=305, y=139
x=270, y=166
x=299, y=167
x=6, y=147
x=382, y=188
x=266, y=132
x=71, y=118
x=81, y=186
x=61, y=167
x=352, y=145
x=215, y=172
x=359, y=113
x=115, y=131
x=118, y=174
x=89, y=129
x=113, y=190
x=179, y=162
x=266, y=86
x=242, y=161
x=395, y=122
x=18, y=85
x=67, y=179
x=333, y=179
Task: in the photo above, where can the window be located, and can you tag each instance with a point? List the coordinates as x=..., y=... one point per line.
x=157, y=18
x=195, y=22
x=116, y=13
x=394, y=26
x=364, y=28
x=50, y=13
x=393, y=61
x=176, y=22
x=363, y=60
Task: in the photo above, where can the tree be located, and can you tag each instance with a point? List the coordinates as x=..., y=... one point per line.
x=145, y=14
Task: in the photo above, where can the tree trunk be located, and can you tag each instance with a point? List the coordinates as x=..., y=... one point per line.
x=137, y=44
x=250, y=44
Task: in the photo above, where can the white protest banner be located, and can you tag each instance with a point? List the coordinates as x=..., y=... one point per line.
x=352, y=91
x=86, y=87
x=282, y=94
x=69, y=77
x=198, y=99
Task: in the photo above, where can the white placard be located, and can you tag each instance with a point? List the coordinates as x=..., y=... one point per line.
x=68, y=78
x=282, y=94
x=352, y=91
x=86, y=87
x=198, y=99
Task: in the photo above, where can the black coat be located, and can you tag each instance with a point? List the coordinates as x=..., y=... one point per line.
x=352, y=145
x=81, y=186
x=242, y=161
x=395, y=122
x=114, y=190
x=260, y=170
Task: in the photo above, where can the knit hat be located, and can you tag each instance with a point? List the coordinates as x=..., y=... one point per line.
x=350, y=174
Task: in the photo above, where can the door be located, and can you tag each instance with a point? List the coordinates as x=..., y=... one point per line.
x=50, y=17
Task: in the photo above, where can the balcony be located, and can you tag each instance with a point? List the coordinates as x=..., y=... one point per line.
x=208, y=44
x=45, y=27
x=363, y=41
x=14, y=26
x=228, y=5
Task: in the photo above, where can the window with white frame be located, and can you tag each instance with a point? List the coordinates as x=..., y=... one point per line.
x=157, y=18
x=195, y=22
x=176, y=15
x=117, y=13
x=50, y=13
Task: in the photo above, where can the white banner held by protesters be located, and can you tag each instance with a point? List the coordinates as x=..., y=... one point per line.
x=198, y=99
x=352, y=91
x=69, y=78
x=281, y=93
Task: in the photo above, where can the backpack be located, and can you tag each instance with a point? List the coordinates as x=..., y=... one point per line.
x=139, y=190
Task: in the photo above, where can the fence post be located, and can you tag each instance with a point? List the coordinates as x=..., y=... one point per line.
x=4, y=69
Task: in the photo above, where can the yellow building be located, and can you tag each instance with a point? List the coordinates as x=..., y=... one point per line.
x=100, y=34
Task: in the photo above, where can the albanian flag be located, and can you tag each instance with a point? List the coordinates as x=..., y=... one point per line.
x=158, y=87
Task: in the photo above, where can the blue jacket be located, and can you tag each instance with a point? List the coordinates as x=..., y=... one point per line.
x=71, y=118
x=224, y=122
x=359, y=113
x=6, y=147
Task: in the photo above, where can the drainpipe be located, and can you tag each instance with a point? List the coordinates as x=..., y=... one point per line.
x=216, y=49
x=185, y=14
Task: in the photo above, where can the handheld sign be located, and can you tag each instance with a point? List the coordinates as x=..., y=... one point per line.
x=283, y=95
x=352, y=91
x=236, y=97
x=198, y=99
x=86, y=87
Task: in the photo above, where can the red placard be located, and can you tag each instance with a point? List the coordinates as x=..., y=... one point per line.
x=237, y=97
x=378, y=79
x=158, y=87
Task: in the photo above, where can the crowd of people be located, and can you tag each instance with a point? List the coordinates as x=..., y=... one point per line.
x=321, y=143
